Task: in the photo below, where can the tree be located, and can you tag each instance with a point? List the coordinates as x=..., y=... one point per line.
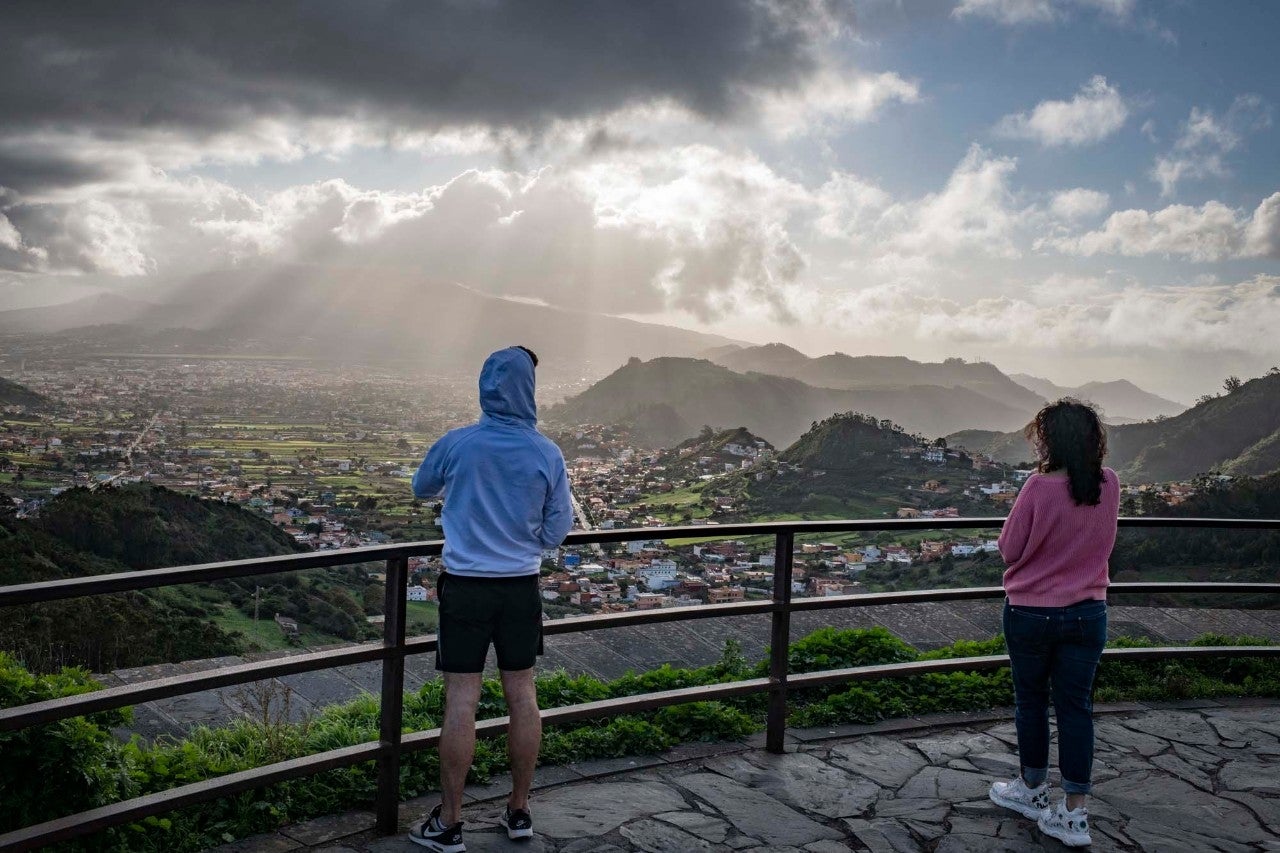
x=1232, y=384
x=1205, y=398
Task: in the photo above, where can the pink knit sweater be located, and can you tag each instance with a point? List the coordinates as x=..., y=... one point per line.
x=1056, y=551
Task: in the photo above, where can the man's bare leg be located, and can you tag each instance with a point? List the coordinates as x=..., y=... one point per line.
x=457, y=740
x=524, y=735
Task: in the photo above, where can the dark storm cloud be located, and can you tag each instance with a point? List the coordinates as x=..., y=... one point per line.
x=207, y=67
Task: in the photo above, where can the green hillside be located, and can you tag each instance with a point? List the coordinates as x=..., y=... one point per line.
x=14, y=394
x=848, y=465
x=1213, y=435
x=141, y=526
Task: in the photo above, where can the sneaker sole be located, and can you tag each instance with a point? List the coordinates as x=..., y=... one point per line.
x=437, y=846
x=1023, y=809
x=517, y=834
x=1071, y=839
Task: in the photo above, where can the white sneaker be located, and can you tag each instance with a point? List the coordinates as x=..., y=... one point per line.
x=1069, y=827
x=1028, y=802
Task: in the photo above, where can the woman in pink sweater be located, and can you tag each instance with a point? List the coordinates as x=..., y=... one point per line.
x=1055, y=544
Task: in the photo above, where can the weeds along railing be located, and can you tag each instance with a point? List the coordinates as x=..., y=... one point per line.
x=386, y=751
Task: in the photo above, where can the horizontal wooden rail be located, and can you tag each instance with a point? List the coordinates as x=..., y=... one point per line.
x=124, y=581
x=84, y=823
x=394, y=648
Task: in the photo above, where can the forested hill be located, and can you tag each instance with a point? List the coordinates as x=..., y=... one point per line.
x=141, y=526
x=1213, y=554
x=848, y=465
x=847, y=442
x=15, y=394
x=145, y=527
x=1237, y=432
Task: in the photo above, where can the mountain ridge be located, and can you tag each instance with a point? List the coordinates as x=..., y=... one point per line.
x=1117, y=399
x=669, y=399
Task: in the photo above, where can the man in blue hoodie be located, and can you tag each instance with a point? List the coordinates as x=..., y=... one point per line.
x=506, y=499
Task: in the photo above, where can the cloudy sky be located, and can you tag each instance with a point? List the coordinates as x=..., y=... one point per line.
x=1077, y=189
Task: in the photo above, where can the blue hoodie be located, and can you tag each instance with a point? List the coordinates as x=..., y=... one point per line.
x=506, y=489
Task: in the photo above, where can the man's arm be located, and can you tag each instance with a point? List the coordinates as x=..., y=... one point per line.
x=557, y=512
x=428, y=482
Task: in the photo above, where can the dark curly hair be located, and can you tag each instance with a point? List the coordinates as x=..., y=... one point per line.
x=1069, y=435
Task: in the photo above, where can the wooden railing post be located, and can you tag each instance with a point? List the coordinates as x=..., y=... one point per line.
x=779, y=642
x=391, y=717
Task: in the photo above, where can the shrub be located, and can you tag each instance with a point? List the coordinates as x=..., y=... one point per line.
x=77, y=764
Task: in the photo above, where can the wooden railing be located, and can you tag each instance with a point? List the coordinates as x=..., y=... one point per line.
x=392, y=744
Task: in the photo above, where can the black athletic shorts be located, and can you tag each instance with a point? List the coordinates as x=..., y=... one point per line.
x=477, y=611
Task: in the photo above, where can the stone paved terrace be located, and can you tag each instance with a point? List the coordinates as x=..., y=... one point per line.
x=609, y=654
x=1192, y=776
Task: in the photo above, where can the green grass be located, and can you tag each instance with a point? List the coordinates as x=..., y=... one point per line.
x=421, y=617
x=265, y=635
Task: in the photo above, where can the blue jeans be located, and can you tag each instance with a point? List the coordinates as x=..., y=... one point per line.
x=1055, y=649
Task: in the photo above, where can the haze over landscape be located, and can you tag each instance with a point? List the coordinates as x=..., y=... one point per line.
x=1076, y=190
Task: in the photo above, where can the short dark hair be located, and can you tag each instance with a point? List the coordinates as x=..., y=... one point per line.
x=533, y=355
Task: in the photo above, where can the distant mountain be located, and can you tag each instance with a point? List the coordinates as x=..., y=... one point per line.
x=667, y=399
x=1236, y=433
x=1012, y=448
x=14, y=394
x=867, y=372
x=99, y=309
x=1120, y=401
x=360, y=315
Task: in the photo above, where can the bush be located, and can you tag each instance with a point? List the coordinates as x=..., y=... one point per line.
x=77, y=764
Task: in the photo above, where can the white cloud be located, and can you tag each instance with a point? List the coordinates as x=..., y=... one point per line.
x=975, y=211
x=9, y=236
x=1014, y=13
x=1008, y=12
x=1210, y=232
x=849, y=206
x=1081, y=319
x=1205, y=140
x=1079, y=203
x=833, y=98
x=1096, y=112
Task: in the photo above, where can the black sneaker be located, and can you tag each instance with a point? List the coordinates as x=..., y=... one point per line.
x=518, y=823
x=434, y=835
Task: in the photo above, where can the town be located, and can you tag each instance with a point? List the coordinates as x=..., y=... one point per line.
x=326, y=457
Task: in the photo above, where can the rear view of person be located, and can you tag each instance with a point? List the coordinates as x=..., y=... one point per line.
x=1056, y=544
x=506, y=499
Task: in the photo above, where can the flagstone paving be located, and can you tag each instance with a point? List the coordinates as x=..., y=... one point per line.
x=1192, y=776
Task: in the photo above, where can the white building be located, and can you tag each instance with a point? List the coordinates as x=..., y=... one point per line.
x=416, y=593
x=657, y=576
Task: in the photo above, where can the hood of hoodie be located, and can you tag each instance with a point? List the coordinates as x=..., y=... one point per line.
x=506, y=387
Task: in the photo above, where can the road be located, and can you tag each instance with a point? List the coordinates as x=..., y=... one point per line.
x=128, y=453
x=583, y=521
